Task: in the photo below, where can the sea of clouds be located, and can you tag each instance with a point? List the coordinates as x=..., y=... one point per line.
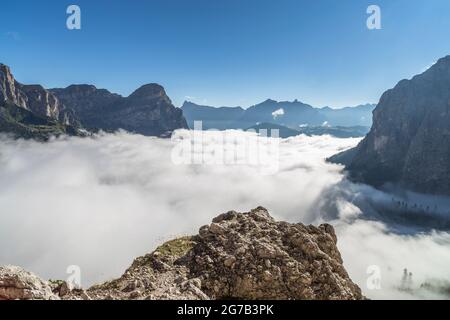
x=100, y=202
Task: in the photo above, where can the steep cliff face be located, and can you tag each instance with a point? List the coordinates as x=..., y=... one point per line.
x=409, y=143
x=147, y=111
x=33, y=98
x=85, y=99
x=10, y=88
x=239, y=255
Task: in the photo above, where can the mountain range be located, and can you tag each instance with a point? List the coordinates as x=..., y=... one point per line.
x=409, y=142
x=293, y=115
x=31, y=111
x=285, y=132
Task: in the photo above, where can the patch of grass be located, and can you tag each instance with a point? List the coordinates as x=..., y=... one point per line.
x=56, y=282
x=177, y=248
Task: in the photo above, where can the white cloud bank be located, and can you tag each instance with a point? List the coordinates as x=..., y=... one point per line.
x=99, y=203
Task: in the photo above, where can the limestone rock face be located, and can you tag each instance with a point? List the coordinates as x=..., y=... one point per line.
x=146, y=111
x=33, y=98
x=251, y=256
x=85, y=99
x=241, y=256
x=18, y=284
x=10, y=88
x=409, y=143
x=19, y=122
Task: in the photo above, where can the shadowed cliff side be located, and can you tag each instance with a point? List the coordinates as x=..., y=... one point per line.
x=409, y=143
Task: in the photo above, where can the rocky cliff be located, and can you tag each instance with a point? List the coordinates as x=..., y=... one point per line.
x=146, y=111
x=239, y=255
x=409, y=143
x=18, y=122
x=33, y=98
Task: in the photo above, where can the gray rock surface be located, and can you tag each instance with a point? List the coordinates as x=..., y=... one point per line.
x=239, y=255
x=33, y=98
x=146, y=111
x=18, y=284
x=409, y=143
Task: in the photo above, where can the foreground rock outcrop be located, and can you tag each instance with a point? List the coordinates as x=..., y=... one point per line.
x=240, y=256
x=16, y=283
x=409, y=143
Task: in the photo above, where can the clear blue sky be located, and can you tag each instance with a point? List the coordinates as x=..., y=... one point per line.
x=227, y=52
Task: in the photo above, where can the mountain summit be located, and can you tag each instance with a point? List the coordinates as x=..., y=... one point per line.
x=148, y=110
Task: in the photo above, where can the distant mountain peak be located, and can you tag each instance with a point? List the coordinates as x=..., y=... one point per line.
x=150, y=90
x=80, y=87
x=445, y=61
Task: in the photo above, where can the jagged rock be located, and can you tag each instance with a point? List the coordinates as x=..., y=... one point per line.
x=18, y=284
x=30, y=111
x=241, y=256
x=259, y=258
x=146, y=111
x=409, y=143
x=64, y=289
x=34, y=98
x=22, y=123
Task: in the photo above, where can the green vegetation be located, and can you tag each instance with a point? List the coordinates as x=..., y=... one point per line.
x=22, y=123
x=178, y=247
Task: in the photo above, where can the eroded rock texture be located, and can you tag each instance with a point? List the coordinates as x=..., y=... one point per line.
x=239, y=255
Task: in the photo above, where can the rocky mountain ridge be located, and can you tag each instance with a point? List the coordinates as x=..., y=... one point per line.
x=147, y=111
x=409, y=142
x=291, y=114
x=239, y=255
x=33, y=98
x=285, y=132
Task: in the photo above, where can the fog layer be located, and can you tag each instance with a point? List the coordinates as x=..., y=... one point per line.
x=100, y=202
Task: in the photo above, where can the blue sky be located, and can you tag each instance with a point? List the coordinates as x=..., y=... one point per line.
x=227, y=52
